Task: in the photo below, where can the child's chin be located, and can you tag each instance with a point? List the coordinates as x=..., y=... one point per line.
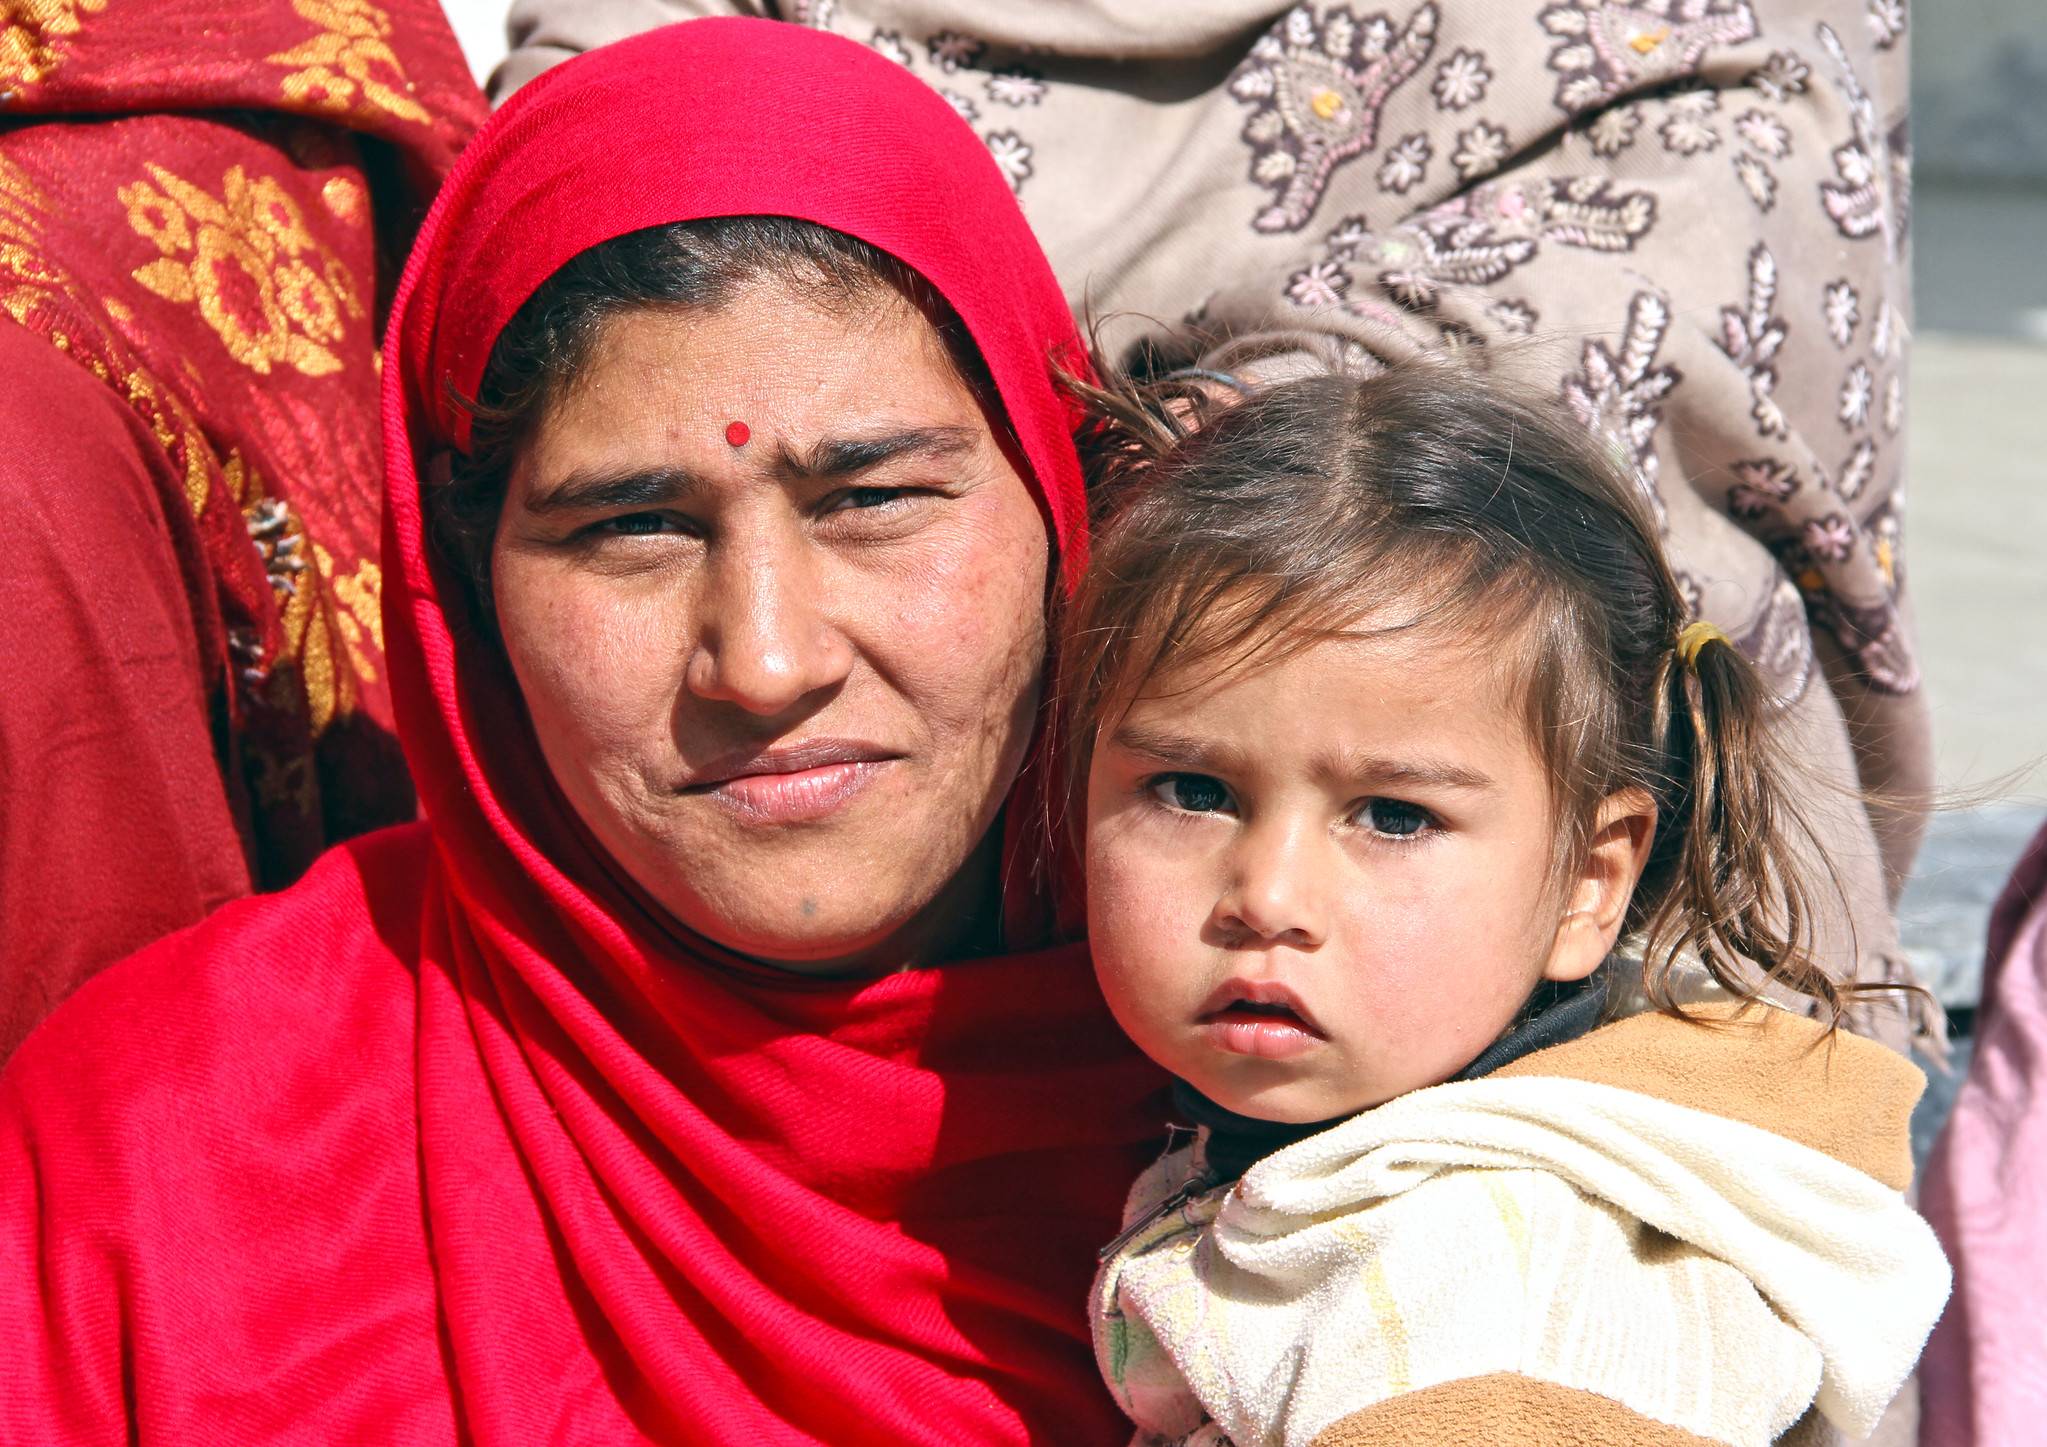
x=1296, y=1102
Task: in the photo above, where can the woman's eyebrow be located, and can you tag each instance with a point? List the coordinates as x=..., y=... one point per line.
x=838, y=457
x=587, y=490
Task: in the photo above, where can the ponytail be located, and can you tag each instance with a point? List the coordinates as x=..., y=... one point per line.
x=1736, y=895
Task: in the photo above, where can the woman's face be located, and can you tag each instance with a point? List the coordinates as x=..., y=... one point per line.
x=774, y=596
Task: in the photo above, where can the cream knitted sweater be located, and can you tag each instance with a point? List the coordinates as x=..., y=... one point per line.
x=1661, y=1232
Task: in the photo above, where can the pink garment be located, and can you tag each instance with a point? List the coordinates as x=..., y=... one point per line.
x=1984, y=1375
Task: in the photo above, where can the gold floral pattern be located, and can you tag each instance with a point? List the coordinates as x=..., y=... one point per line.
x=271, y=292
x=359, y=611
x=349, y=62
x=31, y=32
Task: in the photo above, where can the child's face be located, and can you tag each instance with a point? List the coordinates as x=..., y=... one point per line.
x=1324, y=882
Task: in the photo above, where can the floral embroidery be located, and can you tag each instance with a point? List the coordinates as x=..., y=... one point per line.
x=1764, y=134
x=1013, y=155
x=1830, y=539
x=1516, y=317
x=1894, y=404
x=1780, y=644
x=1620, y=394
x=1406, y=164
x=962, y=106
x=1323, y=284
x=1316, y=90
x=1757, y=179
x=1461, y=81
x=350, y=60
x=1016, y=85
x=1765, y=139
x=1688, y=126
x=1857, y=471
x=31, y=36
x=1474, y=240
x=1751, y=336
x=1479, y=150
x=1604, y=48
x=1763, y=486
x=1780, y=77
x=359, y=597
x=269, y=291
x=1843, y=311
x=1613, y=130
x=1858, y=389
x=951, y=51
x=1886, y=22
x=322, y=613
x=1582, y=211
x=890, y=44
x=1870, y=197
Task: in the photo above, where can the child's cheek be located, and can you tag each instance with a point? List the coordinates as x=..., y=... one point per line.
x=1144, y=928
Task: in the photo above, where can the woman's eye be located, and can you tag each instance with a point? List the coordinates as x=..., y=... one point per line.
x=1191, y=793
x=869, y=497
x=1395, y=818
x=634, y=524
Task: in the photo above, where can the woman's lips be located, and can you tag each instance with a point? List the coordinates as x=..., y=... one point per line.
x=794, y=784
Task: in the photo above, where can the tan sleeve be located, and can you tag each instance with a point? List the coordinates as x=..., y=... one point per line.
x=1834, y=1092
x=1502, y=1409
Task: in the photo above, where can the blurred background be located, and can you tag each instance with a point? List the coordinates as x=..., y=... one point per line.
x=1976, y=484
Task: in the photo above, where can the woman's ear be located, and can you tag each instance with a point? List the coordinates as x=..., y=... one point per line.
x=1598, y=890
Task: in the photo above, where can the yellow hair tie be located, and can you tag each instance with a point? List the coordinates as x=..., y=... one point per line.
x=1695, y=636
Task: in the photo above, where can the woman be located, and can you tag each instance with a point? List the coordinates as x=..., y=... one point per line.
x=620, y=1100
x=202, y=209
x=1686, y=221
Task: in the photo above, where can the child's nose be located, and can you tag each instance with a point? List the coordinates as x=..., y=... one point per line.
x=1274, y=895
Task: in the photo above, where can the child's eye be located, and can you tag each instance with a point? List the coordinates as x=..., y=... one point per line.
x=1192, y=793
x=1395, y=818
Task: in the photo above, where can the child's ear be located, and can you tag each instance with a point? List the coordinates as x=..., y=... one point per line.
x=1598, y=891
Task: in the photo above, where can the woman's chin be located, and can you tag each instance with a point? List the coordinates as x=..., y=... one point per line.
x=804, y=932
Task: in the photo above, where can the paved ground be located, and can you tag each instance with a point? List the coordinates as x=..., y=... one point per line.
x=1977, y=552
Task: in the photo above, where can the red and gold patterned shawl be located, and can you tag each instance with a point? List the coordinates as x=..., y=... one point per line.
x=204, y=205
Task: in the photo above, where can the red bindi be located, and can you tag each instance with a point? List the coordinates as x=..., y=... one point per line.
x=737, y=433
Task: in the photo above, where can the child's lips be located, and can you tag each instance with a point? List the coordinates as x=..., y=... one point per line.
x=1262, y=1018
x=1265, y=1035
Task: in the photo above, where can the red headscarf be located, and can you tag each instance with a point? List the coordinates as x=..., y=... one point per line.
x=583, y=1185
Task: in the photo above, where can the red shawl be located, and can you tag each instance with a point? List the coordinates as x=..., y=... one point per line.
x=203, y=207
x=450, y=1141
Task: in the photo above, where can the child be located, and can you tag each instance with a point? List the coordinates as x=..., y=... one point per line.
x=1390, y=726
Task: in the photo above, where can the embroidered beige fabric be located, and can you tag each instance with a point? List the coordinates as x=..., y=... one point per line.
x=1685, y=220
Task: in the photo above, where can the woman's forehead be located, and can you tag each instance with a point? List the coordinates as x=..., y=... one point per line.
x=772, y=356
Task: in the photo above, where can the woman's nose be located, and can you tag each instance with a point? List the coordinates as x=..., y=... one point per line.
x=765, y=638
x=1276, y=893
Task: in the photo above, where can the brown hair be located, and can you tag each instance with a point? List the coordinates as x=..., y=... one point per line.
x=1229, y=531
